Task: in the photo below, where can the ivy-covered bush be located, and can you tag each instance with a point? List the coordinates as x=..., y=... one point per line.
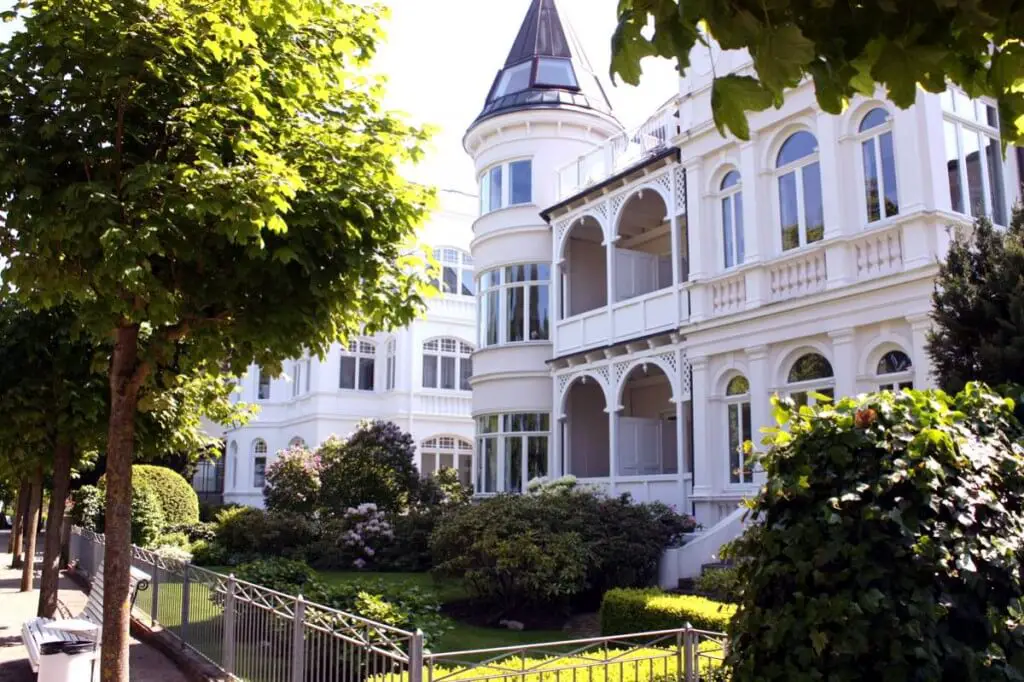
x=374, y=464
x=643, y=610
x=87, y=508
x=886, y=544
x=293, y=481
x=246, y=533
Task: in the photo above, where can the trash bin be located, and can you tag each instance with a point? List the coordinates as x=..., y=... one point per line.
x=66, y=661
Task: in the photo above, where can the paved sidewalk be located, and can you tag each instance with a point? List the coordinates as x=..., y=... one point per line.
x=146, y=664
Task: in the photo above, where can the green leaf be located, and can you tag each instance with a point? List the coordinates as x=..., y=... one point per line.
x=900, y=68
x=780, y=56
x=731, y=97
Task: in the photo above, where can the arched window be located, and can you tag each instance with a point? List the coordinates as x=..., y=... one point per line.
x=879, y=161
x=811, y=373
x=446, y=364
x=263, y=390
x=389, y=367
x=737, y=399
x=447, y=452
x=895, y=371
x=297, y=442
x=801, y=216
x=357, y=366
x=731, y=199
x=259, y=463
x=514, y=304
x=456, y=271
x=974, y=161
x=233, y=463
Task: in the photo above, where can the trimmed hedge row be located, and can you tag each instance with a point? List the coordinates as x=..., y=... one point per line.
x=632, y=610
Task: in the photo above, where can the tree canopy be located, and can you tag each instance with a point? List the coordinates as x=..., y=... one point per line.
x=845, y=47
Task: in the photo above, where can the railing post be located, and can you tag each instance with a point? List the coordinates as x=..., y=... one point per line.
x=97, y=556
x=186, y=592
x=688, y=654
x=680, y=660
x=299, y=641
x=416, y=657
x=154, y=585
x=229, y=625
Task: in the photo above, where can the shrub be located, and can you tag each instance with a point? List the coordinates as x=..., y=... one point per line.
x=443, y=490
x=193, y=531
x=147, y=519
x=179, y=502
x=173, y=553
x=173, y=540
x=633, y=610
x=720, y=583
x=293, y=482
x=410, y=550
x=886, y=543
x=375, y=464
x=251, y=533
x=282, y=575
x=87, y=508
x=354, y=541
x=208, y=553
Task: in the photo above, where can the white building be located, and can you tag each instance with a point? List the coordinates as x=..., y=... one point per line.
x=643, y=293
x=417, y=377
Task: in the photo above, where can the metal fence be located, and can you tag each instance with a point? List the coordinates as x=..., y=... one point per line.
x=260, y=635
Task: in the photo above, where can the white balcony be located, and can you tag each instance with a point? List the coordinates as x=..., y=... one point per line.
x=619, y=153
x=454, y=404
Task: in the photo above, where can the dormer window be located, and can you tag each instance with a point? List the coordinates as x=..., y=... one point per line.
x=555, y=73
x=514, y=79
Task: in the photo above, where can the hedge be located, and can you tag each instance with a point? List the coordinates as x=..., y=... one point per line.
x=633, y=610
x=178, y=500
x=626, y=665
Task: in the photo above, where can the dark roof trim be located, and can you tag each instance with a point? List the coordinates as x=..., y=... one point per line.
x=663, y=332
x=660, y=156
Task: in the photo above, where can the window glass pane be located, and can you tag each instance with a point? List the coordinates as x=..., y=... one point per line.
x=429, y=371
x=737, y=221
x=485, y=195
x=514, y=79
x=972, y=162
x=731, y=179
x=953, y=166
x=467, y=373
x=727, y=231
x=748, y=471
x=894, y=361
x=734, y=443
x=491, y=318
x=451, y=280
x=788, y=214
x=489, y=474
x=521, y=180
x=428, y=463
x=516, y=307
x=892, y=201
x=809, y=367
x=365, y=374
x=465, y=470
x=514, y=464
x=555, y=72
x=446, y=460
x=814, y=217
x=259, y=472
x=994, y=165
x=540, y=272
x=468, y=285
x=347, y=378
x=738, y=386
x=487, y=424
x=494, y=200
x=537, y=457
x=874, y=118
x=538, y=312
x=515, y=273
x=870, y=179
x=447, y=372
x=798, y=146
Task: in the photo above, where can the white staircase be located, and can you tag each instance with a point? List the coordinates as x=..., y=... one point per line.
x=687, y=561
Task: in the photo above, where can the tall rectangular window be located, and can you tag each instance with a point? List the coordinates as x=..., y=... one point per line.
x=259, y=472
x=974, y=164
x=348, y=372
x=494, y=195
x=521, y=182
x=366, y=371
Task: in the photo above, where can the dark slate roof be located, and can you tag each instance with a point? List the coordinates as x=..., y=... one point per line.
x=545, y=40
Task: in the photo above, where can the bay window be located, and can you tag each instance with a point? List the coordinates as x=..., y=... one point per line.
x=879, y=165
x=513, y=450
x=974, y=161
x=447, y=364
x=357, y=366
x=798, y=174
x=508, y=184
x=514, y=304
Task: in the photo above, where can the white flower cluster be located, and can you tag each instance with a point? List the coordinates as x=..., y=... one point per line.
x=367, y=529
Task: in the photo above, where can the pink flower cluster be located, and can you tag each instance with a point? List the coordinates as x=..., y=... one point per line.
x=367, y=530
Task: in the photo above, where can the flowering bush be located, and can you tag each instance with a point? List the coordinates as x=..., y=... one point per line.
x=293, y=481
x=367, y=531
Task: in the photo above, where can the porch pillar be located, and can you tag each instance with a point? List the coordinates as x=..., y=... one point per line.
x=556, y=457
x=703, y=468
x=684, y=493
x=919, y=326
x=613, y=445
x=760, y=396
x=844, y=362
x=610, y=242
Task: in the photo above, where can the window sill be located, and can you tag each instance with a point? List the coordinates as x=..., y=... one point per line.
x=510, y=207
x=514, y=344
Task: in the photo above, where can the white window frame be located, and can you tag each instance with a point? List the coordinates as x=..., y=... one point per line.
x=297, y=378
x=363, y=351
x=861, y=139
x=808, y=386
x=505, y=201
x=972, y=125
x=233, y=460
x=446, y=347
x=730, y=194
x=797, y=168
x=501, y=434
x=460, y=449
x=259, y=463
x=737, y=401
x=461, y=263
x=389, y=365
x=502, y=287
x=263, y=380
x=894, y=381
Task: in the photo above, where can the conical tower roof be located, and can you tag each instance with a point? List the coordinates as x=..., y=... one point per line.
x=546, y=68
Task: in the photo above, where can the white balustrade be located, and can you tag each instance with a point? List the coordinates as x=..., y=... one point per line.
x=645, y=314
x=579, y=332
x=728, y=295
x=458, y=403
x=802, y=274
x=879, y=253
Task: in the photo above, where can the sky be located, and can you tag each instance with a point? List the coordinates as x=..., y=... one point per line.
x=441, y=57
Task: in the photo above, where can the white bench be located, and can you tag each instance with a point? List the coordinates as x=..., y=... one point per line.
x=34, y=632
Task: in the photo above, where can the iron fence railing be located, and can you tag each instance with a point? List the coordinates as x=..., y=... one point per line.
x=257, y=634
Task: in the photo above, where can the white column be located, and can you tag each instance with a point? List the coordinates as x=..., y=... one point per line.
x=929, y=166
x=830, y=188
x=844, y=362
x=684, y=494
x=760, y=398
x=609, y=245
x=695, y=223
x=555, y=457
x=912, y=160
x=613, y=445
x=702, y=460
x=754, y=243
x=919, y=327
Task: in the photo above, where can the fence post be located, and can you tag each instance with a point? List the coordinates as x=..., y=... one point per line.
x=298, y=641
x=680, y=661
x=97, y=556
x=154, y=585
x=688, y=653
x=229, y=625
x=186, y=594
x=416, y=657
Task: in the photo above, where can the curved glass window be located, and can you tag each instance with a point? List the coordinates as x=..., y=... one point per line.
x=974, y=161
x=811, y=373
x=514, y=304
x=513, y=450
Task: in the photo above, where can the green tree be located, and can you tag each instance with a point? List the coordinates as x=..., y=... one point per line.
x=210, y=181
x=978, y=307
x=846, y=48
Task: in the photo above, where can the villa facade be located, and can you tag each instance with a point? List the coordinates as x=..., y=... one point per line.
x=417, y=377
x=641, y=294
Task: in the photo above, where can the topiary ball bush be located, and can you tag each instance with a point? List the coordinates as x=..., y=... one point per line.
x=886, y=544
x=147, y=519
x=179, y=503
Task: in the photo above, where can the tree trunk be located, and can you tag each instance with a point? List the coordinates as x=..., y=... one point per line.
x=125, y=378
x=54, y=531
x=14, y=541
x=32, y=532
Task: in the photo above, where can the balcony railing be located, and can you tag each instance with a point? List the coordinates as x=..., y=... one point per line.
x=619, y=153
